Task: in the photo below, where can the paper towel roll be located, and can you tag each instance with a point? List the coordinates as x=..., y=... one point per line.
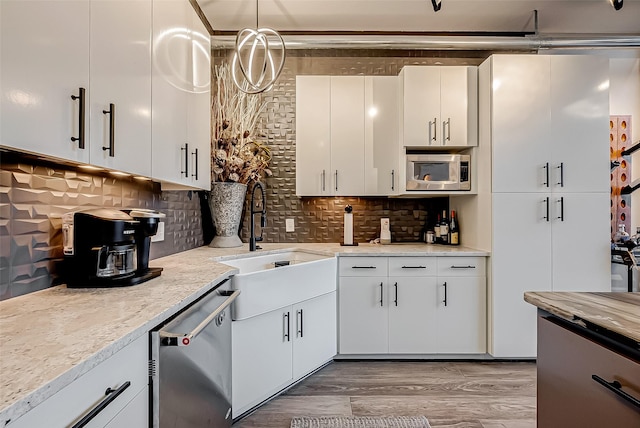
x=348, y=229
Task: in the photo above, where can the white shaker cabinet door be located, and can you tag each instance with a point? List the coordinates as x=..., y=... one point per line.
x=347, y=135
x=262, y=357
x=171, y=82
x=381, y=150
x=521, y=129
x=314, y=333
x=121, y=85
x=364, y=315
x=421, y=122
x=580, y=123
x=521, y=261
x=461, y=315
x=199, y=107
x=412, y=315
x=458, y=106
x=45, y=60
x=313, y=136
x=581, y=242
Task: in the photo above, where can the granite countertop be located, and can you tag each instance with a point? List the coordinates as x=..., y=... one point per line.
x=616, y=312
x=52, y=337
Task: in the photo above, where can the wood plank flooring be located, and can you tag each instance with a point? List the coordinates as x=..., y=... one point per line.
x=449, y=394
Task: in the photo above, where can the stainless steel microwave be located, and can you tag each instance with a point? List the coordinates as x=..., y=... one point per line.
x=426, y=172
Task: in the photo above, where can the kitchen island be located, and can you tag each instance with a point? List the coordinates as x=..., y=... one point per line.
x=588, y=359
x=51, y=338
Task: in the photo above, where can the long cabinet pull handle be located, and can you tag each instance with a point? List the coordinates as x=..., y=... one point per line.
x=561, y=201
x=111, y=394
x=546, y=171
x=186, y=159
x=616, y=388
x=393, y=179
x=546, y=217
x=396, y=297
x=381, y=295
x=81, y=123
x=323, y=179
x=463, y=267
x=430, y=137
x=301, y=330
x=445, y=294
x=449, y=129
x=286, y=327
x=414, y=267
x=363, y=267
x=561, y=167
x=195, y=164
x=336, y=180
x=112, y=129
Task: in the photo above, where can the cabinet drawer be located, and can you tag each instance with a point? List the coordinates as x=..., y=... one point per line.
x=363, y=266
x=461, y=266
x=77, y=399
x=412, y=266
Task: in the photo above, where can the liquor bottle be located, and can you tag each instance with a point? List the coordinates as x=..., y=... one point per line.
x=436, y=231
x=444, y=228
x=454, y=230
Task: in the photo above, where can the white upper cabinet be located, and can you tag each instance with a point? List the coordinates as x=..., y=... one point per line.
x=180, y=103
x=347, y=135
x=439, y=106
x=381, y=148
x=121, y=85
x=313, y=135
x=45, y=60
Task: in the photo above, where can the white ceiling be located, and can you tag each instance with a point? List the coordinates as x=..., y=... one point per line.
x=584, y=17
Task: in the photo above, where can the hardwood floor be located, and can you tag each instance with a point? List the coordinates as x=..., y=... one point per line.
x=449, y=394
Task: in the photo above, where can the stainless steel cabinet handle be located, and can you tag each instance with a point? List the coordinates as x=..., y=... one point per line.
x=396, y=297
x=463, y=267
x=112, y=129
x=546, y=217
x=435, y=130
x=81, y=110
x=381, y=294
x=445, y=294
x=185, y=339
x=299, y=329
x=561, y=201
x=186, y=159
x=111, y=394
x=616, y=388
x=286, y=327
x=448, y=122
x=561, y=167
x=546, y=170
x=393, y=179
x=195, y=164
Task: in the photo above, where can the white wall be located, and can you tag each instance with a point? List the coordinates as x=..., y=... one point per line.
x=624, y=99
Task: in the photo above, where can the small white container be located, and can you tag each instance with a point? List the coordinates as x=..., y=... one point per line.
x=385, y=231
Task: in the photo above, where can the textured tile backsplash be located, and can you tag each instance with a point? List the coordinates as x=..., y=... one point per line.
x=33, y=197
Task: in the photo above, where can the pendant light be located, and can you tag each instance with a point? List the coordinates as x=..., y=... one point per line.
x=255, y=66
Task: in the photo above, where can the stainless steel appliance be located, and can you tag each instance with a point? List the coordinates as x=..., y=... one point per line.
x=107, y=247
x=438, y=172
x=191, y=365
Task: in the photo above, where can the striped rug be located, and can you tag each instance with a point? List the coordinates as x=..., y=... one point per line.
x=361, y=422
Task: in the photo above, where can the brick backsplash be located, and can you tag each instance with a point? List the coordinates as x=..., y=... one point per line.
x=34, y=195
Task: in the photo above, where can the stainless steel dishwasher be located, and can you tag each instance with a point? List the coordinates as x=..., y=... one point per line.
x=190, y=369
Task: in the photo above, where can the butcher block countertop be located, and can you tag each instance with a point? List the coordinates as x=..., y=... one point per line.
x=616, y=312
x=54, y=336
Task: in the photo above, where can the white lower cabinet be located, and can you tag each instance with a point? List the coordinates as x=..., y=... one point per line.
x=425, y=305
x=275, y=349
x=124, y=374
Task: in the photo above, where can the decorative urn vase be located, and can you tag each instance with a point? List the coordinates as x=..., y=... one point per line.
x=226, y=202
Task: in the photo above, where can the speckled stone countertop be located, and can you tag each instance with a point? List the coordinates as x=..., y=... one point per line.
x=52, y=337
x=617, y=312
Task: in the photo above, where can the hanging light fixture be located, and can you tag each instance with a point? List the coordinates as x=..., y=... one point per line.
x=255, y=66
x=617, y=4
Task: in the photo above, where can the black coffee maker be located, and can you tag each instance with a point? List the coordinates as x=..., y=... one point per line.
x=107, y=248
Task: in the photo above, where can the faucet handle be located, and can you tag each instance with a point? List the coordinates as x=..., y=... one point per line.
x=263, y=221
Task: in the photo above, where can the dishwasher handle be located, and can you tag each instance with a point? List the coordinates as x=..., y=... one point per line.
x=173, y=339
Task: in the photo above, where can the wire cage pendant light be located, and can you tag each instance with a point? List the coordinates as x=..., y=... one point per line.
x=258, y=58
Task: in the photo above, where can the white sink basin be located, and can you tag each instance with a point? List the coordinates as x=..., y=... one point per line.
x=266, y=286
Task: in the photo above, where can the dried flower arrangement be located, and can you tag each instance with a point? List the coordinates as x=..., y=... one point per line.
x=237, y=155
